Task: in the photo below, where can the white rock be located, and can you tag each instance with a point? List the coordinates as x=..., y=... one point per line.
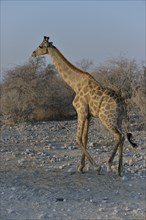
x=101, y=209
x=10, y=211
x=13, y=188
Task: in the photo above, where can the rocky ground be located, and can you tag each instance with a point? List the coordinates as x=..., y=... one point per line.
x=39, y=178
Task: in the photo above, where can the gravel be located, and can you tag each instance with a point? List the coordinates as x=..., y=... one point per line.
x=39, y=178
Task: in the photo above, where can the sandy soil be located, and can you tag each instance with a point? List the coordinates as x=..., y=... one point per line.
x=39, y=178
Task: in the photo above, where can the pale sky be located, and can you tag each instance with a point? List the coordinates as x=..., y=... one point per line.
x=95, y=30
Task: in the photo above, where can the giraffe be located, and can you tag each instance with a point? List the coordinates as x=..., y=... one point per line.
x=91, y=99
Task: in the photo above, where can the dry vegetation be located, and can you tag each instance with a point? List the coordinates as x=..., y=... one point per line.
x=36, y=92
x=127, y=78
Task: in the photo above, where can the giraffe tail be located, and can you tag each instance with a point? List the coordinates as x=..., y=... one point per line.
x=129, y=135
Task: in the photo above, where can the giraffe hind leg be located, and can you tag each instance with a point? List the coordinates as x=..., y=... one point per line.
x=120, y=149
x=119, y=138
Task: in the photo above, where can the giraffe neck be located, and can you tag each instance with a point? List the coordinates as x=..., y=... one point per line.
x=72, y=75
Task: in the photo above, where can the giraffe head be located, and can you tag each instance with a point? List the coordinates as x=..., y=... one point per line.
x=43, y=47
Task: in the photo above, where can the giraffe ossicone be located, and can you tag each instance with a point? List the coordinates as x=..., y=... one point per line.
x=91, y=99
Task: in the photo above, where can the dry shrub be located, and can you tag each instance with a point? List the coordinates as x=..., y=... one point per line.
x=139, y=95
x=122, y=75
x=53, y=96
x=41, y=114
x=18, y=92
x=85, y=64
x=33, y=86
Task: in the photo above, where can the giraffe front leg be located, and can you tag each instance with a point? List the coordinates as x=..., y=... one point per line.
x=82, y=164
x=82, y=110
x=81, y=140
x=84, y=141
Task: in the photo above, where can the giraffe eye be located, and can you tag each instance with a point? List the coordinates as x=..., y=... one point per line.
x=40, y=47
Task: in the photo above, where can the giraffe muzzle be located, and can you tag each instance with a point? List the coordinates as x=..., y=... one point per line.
x=34, y=54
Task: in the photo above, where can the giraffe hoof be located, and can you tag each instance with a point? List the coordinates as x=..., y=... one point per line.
x=80, y=169
x=120, y=173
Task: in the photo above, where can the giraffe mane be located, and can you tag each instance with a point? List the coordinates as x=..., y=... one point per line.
x=70, y=64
